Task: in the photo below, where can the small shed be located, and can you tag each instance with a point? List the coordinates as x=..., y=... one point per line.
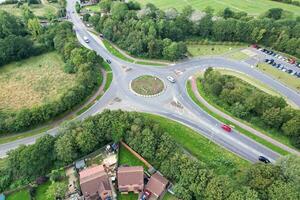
x=80, y=164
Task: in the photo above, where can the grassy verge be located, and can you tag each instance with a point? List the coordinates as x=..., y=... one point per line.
x=238, y=128
x=238, y=56
x=214, y=49
x=115, y=51
x=109, y=76
x=18, y=136
x=214, y=156
x=127, y=158
x=149, y=63
x=284, y=77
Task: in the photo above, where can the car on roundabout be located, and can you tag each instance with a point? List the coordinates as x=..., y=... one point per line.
x=171, y=79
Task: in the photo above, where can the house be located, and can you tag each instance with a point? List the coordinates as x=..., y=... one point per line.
x=157, y=185
x=94, y=183
x=130, y=179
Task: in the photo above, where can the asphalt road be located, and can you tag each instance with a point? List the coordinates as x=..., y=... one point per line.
x=119, y=96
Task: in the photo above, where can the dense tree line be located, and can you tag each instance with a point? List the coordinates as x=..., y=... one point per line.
x=249, y=103
x=150, y=32
x=81, y=61
x=293, y=2
x=192, y=178
x=15, y=43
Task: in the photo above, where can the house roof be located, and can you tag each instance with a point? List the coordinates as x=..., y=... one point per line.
x=130, y=175
x=157, y=184
x=94, y=180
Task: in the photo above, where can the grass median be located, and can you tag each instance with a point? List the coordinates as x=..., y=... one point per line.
x=238, y=128
x=115, y=51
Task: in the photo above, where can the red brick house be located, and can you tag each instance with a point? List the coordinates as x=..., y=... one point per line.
x=157, y=185
x=94, y=183
x=130, y=179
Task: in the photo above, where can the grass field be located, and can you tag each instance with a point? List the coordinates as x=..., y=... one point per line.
x=214, y=156
x=225, y=121
x=40, y=10
x=209, y=50
x=127, y=158
x=33, y=81
x=147, y=85
x=252, y=7
x=21, y=195
x=284, y=77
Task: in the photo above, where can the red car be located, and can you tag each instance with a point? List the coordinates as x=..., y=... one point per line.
x=226, y=127
x=255, y=46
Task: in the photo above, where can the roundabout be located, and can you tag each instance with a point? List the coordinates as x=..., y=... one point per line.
x=147, y=86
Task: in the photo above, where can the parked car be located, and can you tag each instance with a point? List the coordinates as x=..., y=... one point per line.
x=171, y=79
x=101, y=35
x=255, y=46
x=264, y=159
x=108, y=61
x=146, y=194
x=226, y=127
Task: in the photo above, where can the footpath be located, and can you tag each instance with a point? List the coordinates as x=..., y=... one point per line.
x=240, y=124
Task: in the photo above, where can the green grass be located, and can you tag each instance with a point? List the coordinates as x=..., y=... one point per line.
x=252, y=7
x=40, y=10
x=169, y=196
x=225, y=121
x=41, y=191
x=93, y=8
x=149, y=63
x=209, y=50
x=127, y=158
x=284, y=77
x=147, y=85
x=129, y=196
x=33, y=82
x=115, y=51
x=214, y=156
x=18, y=136
x=20, y=195
x=238, y=55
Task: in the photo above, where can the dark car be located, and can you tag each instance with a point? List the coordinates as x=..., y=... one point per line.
x=274, y=64
x=108, y=61
x=266, y=60
x=264, y=159
x=146, y=194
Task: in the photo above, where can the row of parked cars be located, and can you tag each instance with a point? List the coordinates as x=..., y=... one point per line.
x=272, y=62
x=282, y=67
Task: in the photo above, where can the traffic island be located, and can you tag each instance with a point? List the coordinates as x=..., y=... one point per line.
x=147, y=86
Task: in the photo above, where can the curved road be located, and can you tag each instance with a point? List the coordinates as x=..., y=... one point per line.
x=174, y=102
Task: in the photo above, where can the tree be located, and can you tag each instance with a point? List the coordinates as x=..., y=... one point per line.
x=272, y=117
x=77, y=7
x=105, y=5
x=280, y=190
x=119, y=10
x=227, y=13
x=86, y=141
x=274, y=13
x=245, y=193
x=218, y=188
x=34, y=27
x=57, y=190
x=290, y=167
x=65, y=148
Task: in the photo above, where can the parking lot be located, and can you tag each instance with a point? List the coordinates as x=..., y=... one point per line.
x=276, y=60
